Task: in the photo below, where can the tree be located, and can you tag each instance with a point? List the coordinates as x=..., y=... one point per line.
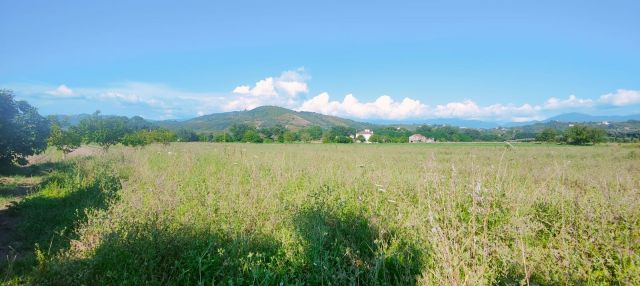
x=162, y=136
x=338, y=134
x=547, y=135
x=343, y=139
x=134, y=139
x=375, y=138
x=306, y=137
x=145, y=137
x=276, y=132
x=223, y=137
x=289, y=136
x=238, y=131
x=251, y=136
x=582, y=135
x=424, y=130
x=361, y=138
x=597, y=135
x=185, y=135
x=104, y=131
x=23, y=131
x=63, y=140
x=315, y=132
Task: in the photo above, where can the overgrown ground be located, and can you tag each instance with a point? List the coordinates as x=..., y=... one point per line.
x=234, y=214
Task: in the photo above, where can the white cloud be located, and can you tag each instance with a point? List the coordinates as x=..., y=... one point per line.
x=162, y=102
x=621, y=97
x=281, y=91
x=470, y=110
x=571, y=102
x=383, y=107
x=62, y=91
x=151, y=100
x=243, y=89
x=124, y=97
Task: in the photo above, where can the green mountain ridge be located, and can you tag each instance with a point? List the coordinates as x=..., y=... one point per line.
x=262, y=117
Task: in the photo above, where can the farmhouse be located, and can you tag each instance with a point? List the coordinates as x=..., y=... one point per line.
x=366, y=134
x=419, y=138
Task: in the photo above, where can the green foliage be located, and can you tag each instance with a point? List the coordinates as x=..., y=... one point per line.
x=252, y=136
x=185, y=135
x=338, y=134
x=107, y=131
x=223, y=137
x=375, y=138
x=289, y=136
x=391, y=135
x=239, y=130
x=547, y=135
x=278, y=133
x=64, y=140
x=582, y=135
x=23, y=131
x=134, y=139
x=146, y=137
x=104, y=131
x=314, y=132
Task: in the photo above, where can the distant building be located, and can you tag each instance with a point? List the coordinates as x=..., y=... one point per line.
x=365, y=133
x=419, y=138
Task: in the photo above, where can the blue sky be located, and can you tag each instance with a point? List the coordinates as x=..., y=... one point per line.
x=394, y=60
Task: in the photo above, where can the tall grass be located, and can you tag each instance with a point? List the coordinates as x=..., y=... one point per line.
x=361, y=214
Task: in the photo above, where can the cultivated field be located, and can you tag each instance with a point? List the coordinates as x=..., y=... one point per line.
x=432, y=214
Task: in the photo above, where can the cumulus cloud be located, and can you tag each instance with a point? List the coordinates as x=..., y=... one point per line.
x=571, y=102
x=383, y=107
x=282, y=91
x=621, y=97
x=62, y=91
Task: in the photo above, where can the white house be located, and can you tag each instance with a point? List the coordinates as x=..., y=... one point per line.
x=365, y=133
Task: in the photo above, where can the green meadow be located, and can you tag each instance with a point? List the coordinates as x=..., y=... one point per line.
x=325, y=214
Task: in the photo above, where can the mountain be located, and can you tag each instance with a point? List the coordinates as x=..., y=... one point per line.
x=264, y=116
x=72, y=120
x=580, y=117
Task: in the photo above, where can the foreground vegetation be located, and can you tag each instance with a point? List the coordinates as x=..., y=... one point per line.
x=198, y=213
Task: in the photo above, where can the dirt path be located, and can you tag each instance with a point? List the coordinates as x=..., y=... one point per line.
x=12, y=191
x=14, y=188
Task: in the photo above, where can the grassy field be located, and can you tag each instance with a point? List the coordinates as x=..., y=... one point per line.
x=239, y=214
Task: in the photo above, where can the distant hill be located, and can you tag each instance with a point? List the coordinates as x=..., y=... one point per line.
x=264, y=116
x=268, y=116
x=580, y=117
x=467, y=123
x=71, y=119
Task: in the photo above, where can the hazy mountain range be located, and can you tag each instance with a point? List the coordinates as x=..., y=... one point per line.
x=268, y=116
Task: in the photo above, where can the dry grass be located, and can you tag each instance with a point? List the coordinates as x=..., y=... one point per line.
x=458, y=214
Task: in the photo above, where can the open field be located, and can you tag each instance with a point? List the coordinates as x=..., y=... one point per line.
x=237, y=214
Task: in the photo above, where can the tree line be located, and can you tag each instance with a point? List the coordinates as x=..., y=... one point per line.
x=575, y=135
x=24, y=132
x=106, y=131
